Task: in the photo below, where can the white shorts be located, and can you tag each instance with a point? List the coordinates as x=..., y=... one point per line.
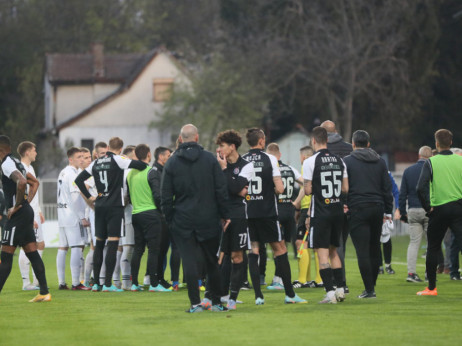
x=38, y=231
x=129, y=238
x=72, y=236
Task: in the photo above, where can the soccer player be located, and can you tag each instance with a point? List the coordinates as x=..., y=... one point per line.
x=235, y=239
x=19, y=229
x=28, y=153
x=286, y=209
x=108, y=172
x=146, y=218
x=71, y=220
x=325, y=178
x=262, y=213
x=440, y=192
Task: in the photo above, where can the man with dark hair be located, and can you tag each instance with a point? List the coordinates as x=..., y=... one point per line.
x=108, y=172
x=440, y=192
x=101, y=149
x=28, y=153
x=161, y=155
x=370, y=201
x=146, y=220
x=286, y=210
x=263, y=216
x=194, y=196
x=19, y=228
x=235, y=239
x=71, y=220
x=325, y=178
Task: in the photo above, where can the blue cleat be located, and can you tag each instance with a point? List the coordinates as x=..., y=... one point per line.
x=294, y=300
x=231, y=304
x=159, y=288
x=111, y=289
x=218, y=308
x=206, y=304
x=275, y=286
x=194, y=309
x=96, y=288
x=259, y=301
x=136, y=288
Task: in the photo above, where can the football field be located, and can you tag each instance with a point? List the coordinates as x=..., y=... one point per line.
x=397, y=317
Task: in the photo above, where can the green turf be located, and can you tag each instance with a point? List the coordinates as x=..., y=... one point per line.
x=396, y=317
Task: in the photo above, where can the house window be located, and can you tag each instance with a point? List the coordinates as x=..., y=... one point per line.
x=87, y=143
x=162, y=88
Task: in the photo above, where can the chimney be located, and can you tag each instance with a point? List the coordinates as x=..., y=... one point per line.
x=98, y=59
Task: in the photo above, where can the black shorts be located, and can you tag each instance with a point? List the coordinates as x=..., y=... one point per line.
x=147, y=225
x=109, y=222
x=287, y=223
x=236, y=237
x=326, y=231
x=19, y=230
x=301, y=228
x=265, y=230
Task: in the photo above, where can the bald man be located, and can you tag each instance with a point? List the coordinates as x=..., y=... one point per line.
x=194, y=198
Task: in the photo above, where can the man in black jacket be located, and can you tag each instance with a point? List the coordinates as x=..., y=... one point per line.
x=370, y=201
x=337, y=146
x=194, y=199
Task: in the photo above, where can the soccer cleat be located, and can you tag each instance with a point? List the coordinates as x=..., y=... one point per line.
x=159, y=288
x=259, y=301
x=381, y=270
x=389, y=270
x=30, y=287
x=165, y=284
x=319, y=285
x=297, y=284
x=329, y=298
x=275, y=286
x=206, y=304
x=202, y=288
x=294, y=300
x=194, y=309
x=246, y=286
x=340, y=294
x=231, y=305
x=175, y=287
x=346, y=290
x=63, y=287
x=366, y=295
x=87, y=284
x=412, y=277
x=428, y=292
x=456, y=278
x=80, y=287
x=225, y=300
x=218, y=308
x=96, y=288
x=111, y=289
x=41, y=298
x=136, y=288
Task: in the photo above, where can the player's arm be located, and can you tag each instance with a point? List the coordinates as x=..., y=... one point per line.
x=423, y=186
x=307, y=187
x=154, y=182
x=21, y=186
x=298, y=201
x=80, y=181
x=33, y=186
x=167, y=196
x=221, y=190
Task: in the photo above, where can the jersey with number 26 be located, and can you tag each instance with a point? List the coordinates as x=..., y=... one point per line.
x=326, y=171
x=108, y=173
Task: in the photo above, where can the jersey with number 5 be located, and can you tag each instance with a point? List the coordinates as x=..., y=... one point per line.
x=108, y=173
x=325, y=171
x=261, y=198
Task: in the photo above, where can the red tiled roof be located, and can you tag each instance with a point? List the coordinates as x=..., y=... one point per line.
x=78, y=68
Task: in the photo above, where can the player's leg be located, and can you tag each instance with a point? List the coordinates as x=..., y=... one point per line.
x=101, y=236
x=63, y=247
x=89, y=258
x=117, y=268
x=209, y=249
x=24, y=269
x=39, y=268
x=253, y=260
x=40, y=245
x=6, y=256
x=163, y=249
x=175, y=261
x=115, y=229
x=128, y=243
x=76, y=239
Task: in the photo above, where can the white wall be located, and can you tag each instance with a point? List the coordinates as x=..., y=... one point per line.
x=290, y=146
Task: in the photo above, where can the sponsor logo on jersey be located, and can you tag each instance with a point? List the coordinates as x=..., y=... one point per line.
x=236, y=170
x=254, y=198
x=328, y=159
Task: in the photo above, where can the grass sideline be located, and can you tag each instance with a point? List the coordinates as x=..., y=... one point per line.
x=397, y=317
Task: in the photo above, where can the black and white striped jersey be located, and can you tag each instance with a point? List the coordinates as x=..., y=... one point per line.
x=9, y=165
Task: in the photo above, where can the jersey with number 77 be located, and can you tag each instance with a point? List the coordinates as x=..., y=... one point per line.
x=326, y=172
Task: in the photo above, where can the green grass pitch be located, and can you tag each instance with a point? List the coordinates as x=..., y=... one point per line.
x=397, y=317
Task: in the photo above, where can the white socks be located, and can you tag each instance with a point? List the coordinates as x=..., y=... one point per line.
x=116, y=274
x=61, y=266
x=24, y=266
x=76, y=254
x=88, y=265
x=125, y=266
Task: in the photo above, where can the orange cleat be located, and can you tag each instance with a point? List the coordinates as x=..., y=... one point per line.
x=41, y=298
x=428, y=292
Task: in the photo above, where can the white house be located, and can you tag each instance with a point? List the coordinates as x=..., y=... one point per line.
x=290, y=145
x=93, y=97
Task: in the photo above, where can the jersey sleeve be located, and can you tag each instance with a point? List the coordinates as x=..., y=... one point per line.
x=308, y=166
x=345, y=172
x=296, y=173
x=122, y=161
x=274, y=165
x=8, y=167
x=247, y=171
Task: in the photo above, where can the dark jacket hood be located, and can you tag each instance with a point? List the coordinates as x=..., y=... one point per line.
x=366, y=155
x=189, y=151
x=333, y=137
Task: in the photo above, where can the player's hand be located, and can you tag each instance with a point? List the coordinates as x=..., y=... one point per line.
x=222, y=160
x=225, y=224
x=85, y=223
x=42, y=218
x=397, y=215
x=307, y=223
x=35, y=224
x=345, y=209
x=244, y=191
x=387, y=217
x=13, y=210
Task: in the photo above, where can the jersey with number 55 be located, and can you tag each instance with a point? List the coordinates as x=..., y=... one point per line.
x=326, y=172
x=108, y=173
x=261, y=198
